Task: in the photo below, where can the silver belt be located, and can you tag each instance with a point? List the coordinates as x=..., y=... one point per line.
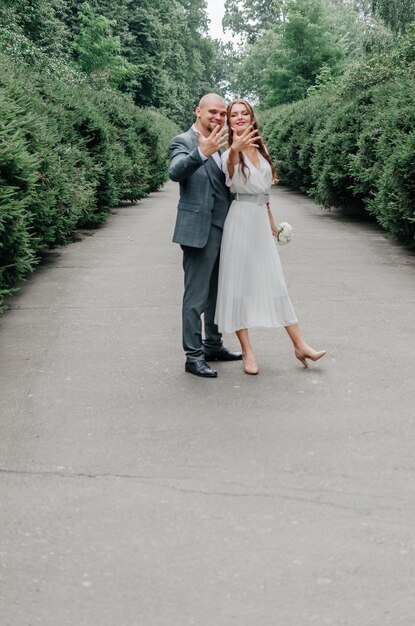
x=259, y=198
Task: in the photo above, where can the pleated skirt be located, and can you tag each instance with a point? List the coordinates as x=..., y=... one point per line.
x=251, y=289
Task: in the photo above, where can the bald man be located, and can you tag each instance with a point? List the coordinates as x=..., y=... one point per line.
x=195, y=163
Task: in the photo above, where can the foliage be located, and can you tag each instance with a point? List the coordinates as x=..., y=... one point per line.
x=290, y=132
x=251, y=76
x=71, y=144
x=19, y=48
x=352, y=142
x=39, y=20
x=17, y=179
x=334, y=147
x=98, y=50
x=252, y=18
x=157, y=50
x=397, y=14
x=222, y=68
x=173, y=58
x=287, y=59
x=68, y=153
x=385, y=160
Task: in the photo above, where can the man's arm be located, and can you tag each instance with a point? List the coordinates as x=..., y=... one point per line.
x=182, y=162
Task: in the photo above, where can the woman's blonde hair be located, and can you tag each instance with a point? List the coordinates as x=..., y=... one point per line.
x=261, y=146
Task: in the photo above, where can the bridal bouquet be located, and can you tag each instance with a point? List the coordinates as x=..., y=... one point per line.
x=285, y=233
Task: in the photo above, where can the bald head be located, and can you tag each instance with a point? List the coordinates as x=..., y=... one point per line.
x=210, y=113
x=207, y=98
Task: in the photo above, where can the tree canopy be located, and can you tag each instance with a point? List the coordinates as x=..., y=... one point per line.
x=156, y=50
x=304, y=39
x=397, y=14
x=160, y=53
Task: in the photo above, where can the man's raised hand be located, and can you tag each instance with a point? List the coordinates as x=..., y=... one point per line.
x=217, y=139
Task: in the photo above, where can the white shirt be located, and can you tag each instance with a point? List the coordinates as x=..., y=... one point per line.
x=215, y=156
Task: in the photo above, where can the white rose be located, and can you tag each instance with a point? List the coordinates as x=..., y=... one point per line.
x=285, y=233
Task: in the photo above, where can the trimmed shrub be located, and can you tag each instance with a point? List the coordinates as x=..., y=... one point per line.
x=353, y=145
x=335, y=145
x=69, y=152
x=384, y=165
x=17, y=180
x=290, y=132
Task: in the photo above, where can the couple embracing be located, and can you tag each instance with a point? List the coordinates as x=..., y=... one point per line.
x=232, y=271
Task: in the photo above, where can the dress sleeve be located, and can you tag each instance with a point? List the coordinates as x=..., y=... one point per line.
x=229, y=181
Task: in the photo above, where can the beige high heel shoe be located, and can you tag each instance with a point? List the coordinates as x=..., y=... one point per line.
x=309, y=353
x=251, y=369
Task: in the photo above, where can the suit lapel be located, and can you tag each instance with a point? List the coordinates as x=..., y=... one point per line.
x=211, y=168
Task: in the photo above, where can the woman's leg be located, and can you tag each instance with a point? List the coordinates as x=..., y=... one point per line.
x=250, y=364
x=302, y=350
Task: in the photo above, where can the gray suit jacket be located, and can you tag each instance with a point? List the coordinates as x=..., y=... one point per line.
x=194, y=211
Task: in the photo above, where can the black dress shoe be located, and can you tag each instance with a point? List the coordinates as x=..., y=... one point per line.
x=223, y=355
x=200, y=368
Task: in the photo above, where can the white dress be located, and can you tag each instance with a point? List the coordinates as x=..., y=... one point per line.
x=251, y=288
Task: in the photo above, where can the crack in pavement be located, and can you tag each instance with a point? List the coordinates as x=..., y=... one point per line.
x=147, y=480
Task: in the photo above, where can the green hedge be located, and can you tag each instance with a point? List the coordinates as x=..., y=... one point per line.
x=353, y=145
x=69, y=152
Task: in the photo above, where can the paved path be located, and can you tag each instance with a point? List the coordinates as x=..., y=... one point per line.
x=133, y=494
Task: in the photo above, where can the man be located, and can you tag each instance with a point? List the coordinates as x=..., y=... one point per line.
x=195, y=163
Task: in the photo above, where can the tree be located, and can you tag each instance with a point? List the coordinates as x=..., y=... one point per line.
x=362, y=7
x=397, y=14
x=98, y=50
x=174, y=59
x=156, y=49
x=38, y=20
x=252, y=18
x=286, y=60
x=223, y=68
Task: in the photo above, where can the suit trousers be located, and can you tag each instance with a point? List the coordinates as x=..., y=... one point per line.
x=201, y=270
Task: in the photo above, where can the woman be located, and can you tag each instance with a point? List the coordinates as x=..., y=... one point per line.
x=252, y=289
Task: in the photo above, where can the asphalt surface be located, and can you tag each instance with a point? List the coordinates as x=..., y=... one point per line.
x=135, y=494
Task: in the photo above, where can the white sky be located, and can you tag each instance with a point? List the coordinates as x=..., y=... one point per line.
x=216, y=10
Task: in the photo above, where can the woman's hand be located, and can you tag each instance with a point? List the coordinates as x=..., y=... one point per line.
x=274, y=230
x=244, y=141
